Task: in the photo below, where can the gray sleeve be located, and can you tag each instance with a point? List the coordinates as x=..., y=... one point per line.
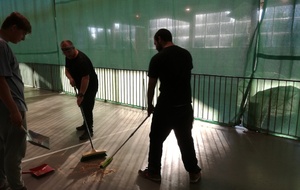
x=5, y=69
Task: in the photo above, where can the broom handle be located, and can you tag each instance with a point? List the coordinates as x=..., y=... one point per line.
x=87, y=128
x=130, y=136
x=85, y=122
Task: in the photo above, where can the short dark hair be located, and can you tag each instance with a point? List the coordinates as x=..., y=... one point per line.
x=67, y=42
x=164, y=34
x=17, y=19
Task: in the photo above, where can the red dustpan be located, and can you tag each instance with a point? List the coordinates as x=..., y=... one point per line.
x=39, y=171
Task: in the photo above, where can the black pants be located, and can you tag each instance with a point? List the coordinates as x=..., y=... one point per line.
x=88, y=104
x=179, y=119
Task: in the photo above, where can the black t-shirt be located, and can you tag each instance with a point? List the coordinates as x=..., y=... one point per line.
x=172, y=66
x=80, y=67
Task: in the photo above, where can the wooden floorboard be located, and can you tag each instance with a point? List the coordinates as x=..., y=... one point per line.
x=231, y=158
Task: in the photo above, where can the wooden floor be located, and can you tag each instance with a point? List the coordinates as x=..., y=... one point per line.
x=230, y=158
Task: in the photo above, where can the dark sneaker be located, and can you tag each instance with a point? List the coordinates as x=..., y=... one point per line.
x=80, y=128
x=147, y=175
x=195, y=177
x=85, y=136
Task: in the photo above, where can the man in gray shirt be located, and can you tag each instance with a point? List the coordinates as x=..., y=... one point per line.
x=12, y=104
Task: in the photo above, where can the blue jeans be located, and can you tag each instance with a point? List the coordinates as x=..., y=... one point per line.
x=12, y=150
x=179, y=119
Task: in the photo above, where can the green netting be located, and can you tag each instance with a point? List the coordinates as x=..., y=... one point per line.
x=274, y=104
x=41, y=45
x=279, y=41
x=235, y=38
x=119, y=34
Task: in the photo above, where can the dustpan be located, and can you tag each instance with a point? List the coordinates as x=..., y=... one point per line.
x=37, y=139
x=39, y=170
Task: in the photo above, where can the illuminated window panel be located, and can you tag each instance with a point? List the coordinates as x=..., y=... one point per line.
x=179, y=29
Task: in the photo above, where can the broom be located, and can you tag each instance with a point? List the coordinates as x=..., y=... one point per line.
x=105, y=163
x=93, y=153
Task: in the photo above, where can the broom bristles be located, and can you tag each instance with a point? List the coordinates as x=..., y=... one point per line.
x=93, y=154
x=106, y=162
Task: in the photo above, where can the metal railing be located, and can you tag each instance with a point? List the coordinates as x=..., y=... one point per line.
x=271, y=106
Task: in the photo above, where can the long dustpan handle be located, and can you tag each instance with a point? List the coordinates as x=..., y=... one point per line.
x=85, y=122
x=26, y=172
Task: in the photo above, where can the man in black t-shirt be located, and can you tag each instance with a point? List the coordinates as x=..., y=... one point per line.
x=172, y=65
x=82, y=75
